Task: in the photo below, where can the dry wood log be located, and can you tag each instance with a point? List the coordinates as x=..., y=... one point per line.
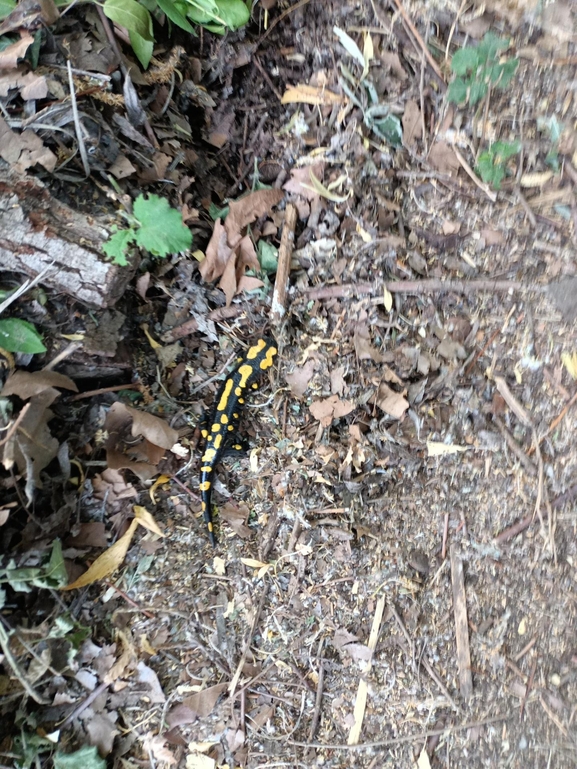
x=37, y=231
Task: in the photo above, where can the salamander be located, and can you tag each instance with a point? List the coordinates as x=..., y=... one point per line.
x=220, y=431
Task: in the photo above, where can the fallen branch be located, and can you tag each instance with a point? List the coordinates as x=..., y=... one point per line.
x=278, y=308
x=418, y=287
x=461, y=625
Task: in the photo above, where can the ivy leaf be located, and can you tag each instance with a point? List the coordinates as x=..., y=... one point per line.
x=267, y=256
x=84, y=758
x=130, y=14
x=464, y=60
x=477, y=91
x=17, y=335
x=457, y=93
x=161, y=228
x=116, y=247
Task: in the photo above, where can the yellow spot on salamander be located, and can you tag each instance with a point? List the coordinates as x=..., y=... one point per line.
x=225, y=395
x=224, y=419
x=209, y=455
x=206, y=469
x=241, y=400
x=238, y=391
x=231, y=428
x=205, y=486
x=245, y=372
x=235, y=416
x=218, y=441
x=267, y=361
x=215, y=428
x=256, y=349
x=204, y=433
x=209, y=526
x=255, y=385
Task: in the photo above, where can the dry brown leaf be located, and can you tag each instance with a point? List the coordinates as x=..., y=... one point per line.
x=300, y=181
x=246, y=210
x=236, y=516
x=24, y=150
x=203, y=703
x=153, y=428
x=392, y=403
x=218, y=254
x=228, y=281
x=108, y=562
x=412, y=124
x=327, y=409
x=11, y=54
x=443, y=158
x=90, y=534
x=146, y=519
x=155, y=746
x=310, y=94
x=299, y=379
x=26, y=384
x=363, y=347
x=338, y=384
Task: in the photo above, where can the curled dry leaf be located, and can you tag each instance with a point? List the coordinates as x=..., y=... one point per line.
x=112, y=559
x=327, y=409
x=392, y=403
x=299, y=379
x=246, y=210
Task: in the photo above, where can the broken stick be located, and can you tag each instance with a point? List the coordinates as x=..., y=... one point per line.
x=461, y=625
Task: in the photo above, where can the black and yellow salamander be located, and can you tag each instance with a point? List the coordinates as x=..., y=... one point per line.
x=220, y=431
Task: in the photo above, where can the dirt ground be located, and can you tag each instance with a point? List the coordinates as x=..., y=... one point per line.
x=394, y=582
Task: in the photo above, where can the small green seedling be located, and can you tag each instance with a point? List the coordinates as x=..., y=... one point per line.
x=492, y=164
x=154, y=226
x=478, y=68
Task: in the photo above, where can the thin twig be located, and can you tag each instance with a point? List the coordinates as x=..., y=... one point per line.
x=77, y=125
x=481, y=185
x=415, y=32
x=11, y=660
x=28, y=284
x=403, y=740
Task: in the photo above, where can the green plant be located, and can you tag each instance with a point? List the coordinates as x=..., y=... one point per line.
x=154, y=226
x=215, y=15
x=478, y=68
x=17, y=335
x=492, y=164
x=554, y=128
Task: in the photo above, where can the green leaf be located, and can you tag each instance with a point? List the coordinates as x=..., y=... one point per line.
x=217, y=213
x=267, y=256
x=6, y=7
x=55, y=574
x=161, y=228
x=84, y=758
x=502, y=151
x=234, y=13
x=390, y=130
x=552, y=125
x=130, y=14
x=142, y=48
x=17, y=335
x=116, y=247
x=464, y=60
x=477, y=91
x=172, y=12
x=489, y=172
x=489, y=47
x=457, y=93
x=508, y=69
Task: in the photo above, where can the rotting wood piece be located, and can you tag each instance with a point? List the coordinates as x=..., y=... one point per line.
x=37, y=231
